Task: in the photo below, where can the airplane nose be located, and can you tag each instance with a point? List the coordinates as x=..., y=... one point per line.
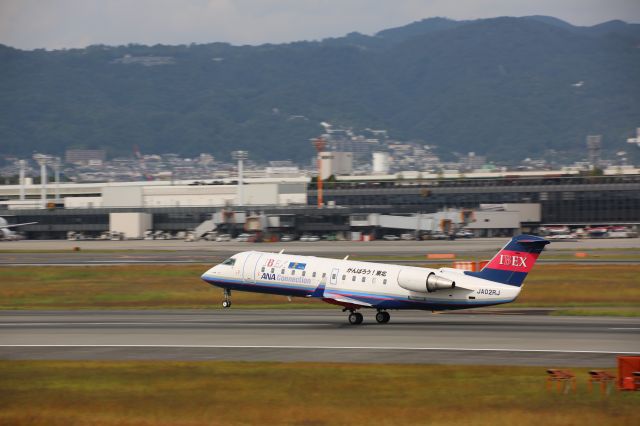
x=208, y=273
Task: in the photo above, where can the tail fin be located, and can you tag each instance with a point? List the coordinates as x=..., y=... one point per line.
x=512, y=264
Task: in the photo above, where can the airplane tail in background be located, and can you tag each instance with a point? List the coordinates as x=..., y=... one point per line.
x=512, y=264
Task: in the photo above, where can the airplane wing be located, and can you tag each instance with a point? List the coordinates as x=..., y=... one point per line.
x=319, y=291
x=347, y=300
x=336, y=299
x=19, y=224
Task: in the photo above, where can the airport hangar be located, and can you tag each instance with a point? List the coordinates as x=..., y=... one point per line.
x=371, y=205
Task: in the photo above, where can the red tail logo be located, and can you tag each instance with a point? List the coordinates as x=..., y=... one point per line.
x=513, y=260
x=516, y=261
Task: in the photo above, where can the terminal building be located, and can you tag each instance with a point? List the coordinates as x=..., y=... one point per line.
x=566, y=200
x=360, y=205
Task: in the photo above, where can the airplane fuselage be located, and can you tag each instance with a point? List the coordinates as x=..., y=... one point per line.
x=355, y=284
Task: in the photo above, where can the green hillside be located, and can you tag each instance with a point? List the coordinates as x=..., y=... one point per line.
x=505, y=87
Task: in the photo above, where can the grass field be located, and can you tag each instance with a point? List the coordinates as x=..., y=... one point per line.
x=179, y=286
x=228, y=393
x=582, y=285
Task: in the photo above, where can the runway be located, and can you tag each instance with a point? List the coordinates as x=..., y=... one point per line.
x=318, y=335
x=70, y=253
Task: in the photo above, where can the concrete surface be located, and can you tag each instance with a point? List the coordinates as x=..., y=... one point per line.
x=310, y=335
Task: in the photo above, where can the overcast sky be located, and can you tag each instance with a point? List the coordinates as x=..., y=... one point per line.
x=53, y=24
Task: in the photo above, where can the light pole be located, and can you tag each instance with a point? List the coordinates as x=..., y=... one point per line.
x=319, y=145
x=22, y=164
x=42, y=159
x=240, y=156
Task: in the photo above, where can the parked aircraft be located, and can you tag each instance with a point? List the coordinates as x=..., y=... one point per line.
x=5, y=229
x=355, y=285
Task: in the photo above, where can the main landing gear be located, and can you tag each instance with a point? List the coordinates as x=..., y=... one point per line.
x=356, y=318
x=383, y=317
x=226, y=303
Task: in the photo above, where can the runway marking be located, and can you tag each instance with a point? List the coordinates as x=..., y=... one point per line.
x=623, y=328
x=386, y=348
x=185, y=322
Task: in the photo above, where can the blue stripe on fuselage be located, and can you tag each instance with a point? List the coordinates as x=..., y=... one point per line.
x=271, y=287
x=380, y=301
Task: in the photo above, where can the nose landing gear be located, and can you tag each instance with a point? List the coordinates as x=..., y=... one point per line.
x=226, y=303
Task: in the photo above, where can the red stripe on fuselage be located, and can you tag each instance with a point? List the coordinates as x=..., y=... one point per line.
x=518, y=261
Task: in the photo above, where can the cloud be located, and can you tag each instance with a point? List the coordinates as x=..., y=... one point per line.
x=52, y=24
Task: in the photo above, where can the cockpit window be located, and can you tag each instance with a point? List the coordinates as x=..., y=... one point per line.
x=230, y=261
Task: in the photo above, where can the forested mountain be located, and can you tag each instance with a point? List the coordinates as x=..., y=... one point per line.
x=505, y=87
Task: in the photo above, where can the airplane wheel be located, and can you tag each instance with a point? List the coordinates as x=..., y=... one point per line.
x=355, y=318
x=226, y=304
x=383, y=317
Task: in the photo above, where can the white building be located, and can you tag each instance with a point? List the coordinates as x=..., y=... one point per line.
x=381, y=163
x=257, y=191
x=336, y=163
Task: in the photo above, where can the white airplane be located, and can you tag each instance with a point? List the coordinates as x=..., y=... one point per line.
x=355, y=285
x=5, y=229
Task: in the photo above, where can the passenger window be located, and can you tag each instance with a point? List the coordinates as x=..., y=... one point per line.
x=293, y=272
x=384, y=281
x=353, y=278
x=263, y=269
x=364, y=279
x=344, y=277
x=333, y=277
x=324, y=274
x=373, y=281
x=313, y=275
x=273, y=270
x=282, y=272
x=304, y=273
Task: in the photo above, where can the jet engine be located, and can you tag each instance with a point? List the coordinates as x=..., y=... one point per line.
x=423, y=281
